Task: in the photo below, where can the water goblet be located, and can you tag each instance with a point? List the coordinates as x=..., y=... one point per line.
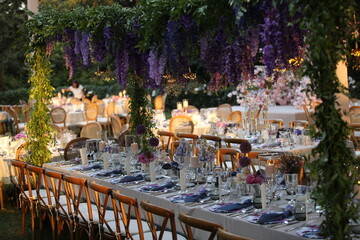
x=291, y=180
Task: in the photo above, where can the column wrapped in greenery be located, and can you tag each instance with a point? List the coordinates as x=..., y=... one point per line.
x=38, y=129
x=334, y=166
x=139, y=104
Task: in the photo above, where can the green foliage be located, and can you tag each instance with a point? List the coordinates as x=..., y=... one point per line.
x=139, y=104
x=334, y=165
x=39, y=129
x=13, y=73
x=12, y=97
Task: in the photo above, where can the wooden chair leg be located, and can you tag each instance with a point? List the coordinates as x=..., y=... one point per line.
x=33, y=216
x=1, y=196
x=23, y=212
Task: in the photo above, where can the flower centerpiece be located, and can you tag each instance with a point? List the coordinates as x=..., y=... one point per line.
x=244, y=161
x=207, y=153
x=148, y=146
x=182, y=154
x=290, y=163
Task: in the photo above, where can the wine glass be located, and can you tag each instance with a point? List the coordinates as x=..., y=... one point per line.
x=291, y=180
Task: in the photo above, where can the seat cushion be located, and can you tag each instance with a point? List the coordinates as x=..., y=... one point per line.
x=109, y=215
x=133, y=227
x=34, y=194
x=62, y=200
x=167, y=235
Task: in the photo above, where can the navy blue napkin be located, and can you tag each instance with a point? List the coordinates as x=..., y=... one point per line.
x=196, y=197
x=108, y=173
x=131, y=178
x=234, y=206
x=271, y=217
x=158, y=187
x=91, y=167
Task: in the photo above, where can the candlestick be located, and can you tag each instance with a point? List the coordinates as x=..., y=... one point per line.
x=263, y=196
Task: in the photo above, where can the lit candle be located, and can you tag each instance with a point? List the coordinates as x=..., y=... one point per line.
x=357, y=190
x=120, y=94
x=185, y=103
x=134, y=148
x=124, y=93
x=179, y=106
x=102, y=146
x=270, y=169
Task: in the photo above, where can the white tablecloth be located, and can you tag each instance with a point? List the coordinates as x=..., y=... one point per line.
x=233, y=224
x=72, y=118
x=286, y=113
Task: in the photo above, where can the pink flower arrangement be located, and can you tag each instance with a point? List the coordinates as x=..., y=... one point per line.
x=221, y=124
x=254, y=179
x=146, y=157
x=20, y=136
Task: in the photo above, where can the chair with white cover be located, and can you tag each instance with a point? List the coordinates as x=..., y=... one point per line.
x=58, y=116
x=91, y=112
x=198, y=223
x=182, y=124
x=86, y=102
x=116, y=126
x=223, y=111
x=91, y=130
x=167, y=216
x=128, y=223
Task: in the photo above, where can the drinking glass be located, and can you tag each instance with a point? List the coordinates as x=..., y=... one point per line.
x=291, y=180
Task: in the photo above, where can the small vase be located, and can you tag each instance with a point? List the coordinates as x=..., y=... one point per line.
x=256, y=196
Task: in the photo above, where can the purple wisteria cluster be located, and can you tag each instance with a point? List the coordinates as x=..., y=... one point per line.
x=281, y=41
x=157, y=63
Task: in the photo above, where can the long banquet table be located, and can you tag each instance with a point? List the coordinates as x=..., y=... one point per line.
x=235, y=225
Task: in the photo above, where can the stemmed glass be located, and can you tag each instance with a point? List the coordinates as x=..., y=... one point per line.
x=291, y=180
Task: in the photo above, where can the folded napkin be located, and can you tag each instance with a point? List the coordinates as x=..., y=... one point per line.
x=86, y=167
x=127, y=179
x=91, y=166
x=196, y=197
x=272, y=217
x=158, y=187
x=108, y=173
x=234, y=206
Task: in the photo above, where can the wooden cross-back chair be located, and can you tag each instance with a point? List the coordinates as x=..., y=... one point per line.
x=224, y=235
x=189, y=222
x=163, y=135
x=25, y=201
x=278, y=122
x=234, y=153
x=57, y=204
x=215, y=139
x=37, y=195
x=299, y=123
x=80, y=207
x=101, y=196
x=127, y=226
x=167, y=216
x=230, y=141
x=309, y=117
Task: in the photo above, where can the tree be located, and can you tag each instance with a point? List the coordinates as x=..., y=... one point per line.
x=13, y=73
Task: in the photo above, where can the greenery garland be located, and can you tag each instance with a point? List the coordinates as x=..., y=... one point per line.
x=334, y=166
x=38, y=128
